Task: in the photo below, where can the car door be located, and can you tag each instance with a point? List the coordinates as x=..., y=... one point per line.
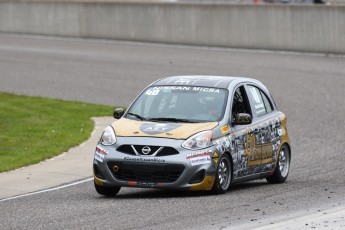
x=241, y=146
x=263, y=136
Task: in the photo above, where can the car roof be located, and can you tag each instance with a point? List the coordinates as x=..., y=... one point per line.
x=200, y=80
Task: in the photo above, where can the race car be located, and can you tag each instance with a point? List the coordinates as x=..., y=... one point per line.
x=194, y=133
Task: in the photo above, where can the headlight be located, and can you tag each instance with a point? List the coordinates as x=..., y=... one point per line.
x=198, y=141
x=108, y=136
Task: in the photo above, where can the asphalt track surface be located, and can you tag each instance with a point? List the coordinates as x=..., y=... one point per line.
x=308, y=88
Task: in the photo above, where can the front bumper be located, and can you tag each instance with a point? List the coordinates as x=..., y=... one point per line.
x=125, y=166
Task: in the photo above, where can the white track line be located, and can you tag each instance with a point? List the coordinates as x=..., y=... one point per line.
x=48, y=190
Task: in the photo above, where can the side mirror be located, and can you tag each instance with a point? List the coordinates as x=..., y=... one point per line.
x=118, y=113
x=242, y=119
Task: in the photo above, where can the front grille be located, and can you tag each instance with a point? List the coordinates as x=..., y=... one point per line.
x=127, y=149
x=167, y=151
x=164, y=151
x=145, y=172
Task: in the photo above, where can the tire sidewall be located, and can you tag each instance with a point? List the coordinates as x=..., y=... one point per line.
x=217, y=188
x=277, y=176
x=106, y=191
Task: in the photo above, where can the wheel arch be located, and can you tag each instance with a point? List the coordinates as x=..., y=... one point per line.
x=231, y=162
x=288, y=146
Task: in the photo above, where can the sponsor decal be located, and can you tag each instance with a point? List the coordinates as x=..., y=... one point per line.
x=154, y=128
x=197, y=154
x=99, y=157
x=255, y=94
x=225, y=129
x=139, y=159
x=258, y=153
x=145, y=184
x=101, y=151
x=152, y=92
x=200, y=160
x=182, y=81
x=210, y=90
x=155, y=90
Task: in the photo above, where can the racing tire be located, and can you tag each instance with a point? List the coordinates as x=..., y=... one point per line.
x=107, y=191
x=281, y=171
x=223, y=176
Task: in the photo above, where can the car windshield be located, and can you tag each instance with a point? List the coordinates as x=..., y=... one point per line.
x=179, y=104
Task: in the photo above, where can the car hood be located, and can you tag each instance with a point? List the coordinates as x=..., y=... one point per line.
x=132, y=128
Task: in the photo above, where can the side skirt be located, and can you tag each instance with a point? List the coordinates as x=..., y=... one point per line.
x=251, y=177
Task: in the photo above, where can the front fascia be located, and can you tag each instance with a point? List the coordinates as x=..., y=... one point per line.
x=193, y=162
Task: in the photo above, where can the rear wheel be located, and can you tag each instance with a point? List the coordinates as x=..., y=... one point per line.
x=282, y=168
x=223, y=176
x=107, y=191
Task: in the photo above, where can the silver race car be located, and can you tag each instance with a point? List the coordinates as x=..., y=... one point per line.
x=194, y=133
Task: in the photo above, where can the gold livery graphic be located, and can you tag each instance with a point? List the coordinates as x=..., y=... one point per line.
x=131, y=128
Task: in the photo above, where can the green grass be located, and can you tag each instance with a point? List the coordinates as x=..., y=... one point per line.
x=33, y=129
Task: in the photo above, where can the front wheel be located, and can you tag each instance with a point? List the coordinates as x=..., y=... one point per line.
x=107, y=191
x=282, y=168
x=223, y=175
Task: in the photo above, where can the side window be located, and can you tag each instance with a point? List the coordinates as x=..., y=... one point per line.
x=240, y=102
x=262, y=105
x=268, y=104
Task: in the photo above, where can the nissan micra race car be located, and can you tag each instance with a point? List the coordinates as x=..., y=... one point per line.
x=194, y=133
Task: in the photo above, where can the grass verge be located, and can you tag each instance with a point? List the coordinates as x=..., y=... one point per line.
x=33, y=129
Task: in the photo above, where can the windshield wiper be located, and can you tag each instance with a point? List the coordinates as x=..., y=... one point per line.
x=171, y=119
x=137, y=116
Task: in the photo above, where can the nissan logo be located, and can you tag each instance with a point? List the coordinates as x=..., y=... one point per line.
x=146, y=150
